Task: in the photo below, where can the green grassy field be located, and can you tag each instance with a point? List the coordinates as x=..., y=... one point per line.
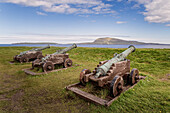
x=46, y=93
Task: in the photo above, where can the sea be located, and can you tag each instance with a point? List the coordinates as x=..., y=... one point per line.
x=89, y=45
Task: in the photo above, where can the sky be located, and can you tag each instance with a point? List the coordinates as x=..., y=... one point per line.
x=74, y=21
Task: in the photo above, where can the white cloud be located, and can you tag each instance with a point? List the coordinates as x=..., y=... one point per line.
x=67, y=6
x=136, y=6
x=84, y=16
x=63, y=39
x=168, y=25
x=121, y=22
x=41, y=13
x=157, y=11
x=113, y=0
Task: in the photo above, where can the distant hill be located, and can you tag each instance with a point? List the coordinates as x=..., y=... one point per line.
x=104, y=41
x=116, y=41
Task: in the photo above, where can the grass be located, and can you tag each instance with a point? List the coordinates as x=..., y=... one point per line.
x=46, y=93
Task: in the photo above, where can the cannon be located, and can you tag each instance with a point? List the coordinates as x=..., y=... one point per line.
x=49, y=62
x=113, y=74
x=26, y=56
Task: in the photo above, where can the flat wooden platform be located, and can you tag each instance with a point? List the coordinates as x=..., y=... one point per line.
x=13, y=62
x=30, y=72
x=90, y=97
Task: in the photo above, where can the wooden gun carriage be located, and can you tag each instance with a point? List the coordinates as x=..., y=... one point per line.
x=113, y=74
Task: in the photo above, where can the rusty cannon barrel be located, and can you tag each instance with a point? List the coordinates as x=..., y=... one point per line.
x=26, y=56
x=34, y=49
x=102, y=70
x=65, y=50
x=40, y=49
x=60, y=52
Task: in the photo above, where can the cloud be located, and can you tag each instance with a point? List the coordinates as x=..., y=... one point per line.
x=40, y=13
x=114, y=0
x=156, y=11
x=84, y=16
x=136, y=6
x=121, y=22
x=168, y=25
x=67, y=6
x=63, y=39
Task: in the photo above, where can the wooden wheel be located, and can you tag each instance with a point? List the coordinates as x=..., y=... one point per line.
x=35, y=62
x=32, y=65
x=84, y=72
x=116, y=86
x=48, y=66
x=24, y=59
x=15, y=58
x=39, y=56
x=67, y=63
x=134, y=76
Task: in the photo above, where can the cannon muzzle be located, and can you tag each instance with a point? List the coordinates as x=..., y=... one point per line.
x=102, y=70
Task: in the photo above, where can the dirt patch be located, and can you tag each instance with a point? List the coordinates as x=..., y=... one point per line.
x=166, y=78
x=168, y=75
x=17, y=96
x=14, y=102
x=11, y=93
x=69, y=96
x=9, y=83
x=6, y=76
x=3, y=97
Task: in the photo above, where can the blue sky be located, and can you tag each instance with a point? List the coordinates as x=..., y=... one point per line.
x=68, y=21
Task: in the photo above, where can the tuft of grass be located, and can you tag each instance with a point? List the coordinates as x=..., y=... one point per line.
x=46, y=93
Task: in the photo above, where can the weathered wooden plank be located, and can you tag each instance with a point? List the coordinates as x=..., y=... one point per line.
x=96, y=99
x=88, y=96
